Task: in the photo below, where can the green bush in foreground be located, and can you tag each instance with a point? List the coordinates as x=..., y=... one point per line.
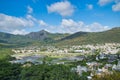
x=9, y=71
x=48, y=72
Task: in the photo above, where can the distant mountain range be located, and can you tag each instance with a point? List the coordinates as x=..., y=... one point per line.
x=43, y=36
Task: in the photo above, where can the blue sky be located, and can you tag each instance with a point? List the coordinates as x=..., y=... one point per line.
x=61, y=16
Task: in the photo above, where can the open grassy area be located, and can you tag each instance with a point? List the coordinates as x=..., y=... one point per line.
x=59, y=55
x=5, y=53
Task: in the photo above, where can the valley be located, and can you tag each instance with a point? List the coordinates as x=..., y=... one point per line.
x=98, y=60
x=83, y=57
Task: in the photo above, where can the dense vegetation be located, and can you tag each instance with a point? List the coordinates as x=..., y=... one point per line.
x=10, y=71
x=48, y=72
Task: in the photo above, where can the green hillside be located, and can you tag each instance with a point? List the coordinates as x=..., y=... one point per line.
x=44, y=37
x=10, y=40
x=34, y=38
x=109, y=36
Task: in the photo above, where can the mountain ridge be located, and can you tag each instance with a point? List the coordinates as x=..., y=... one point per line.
x=43, y=35
x=112, y=35
x=109, y=36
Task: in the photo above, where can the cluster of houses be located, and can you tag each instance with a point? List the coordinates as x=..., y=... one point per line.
x=116, y=67
x=108, y=57
x=26, y=50
x=107, y=48
x=94, y=68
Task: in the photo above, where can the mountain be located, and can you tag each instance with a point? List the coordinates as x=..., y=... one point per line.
x=13, y=40
x=40, y=35
x=78, y=38
x=44, y=35
x=39, y=38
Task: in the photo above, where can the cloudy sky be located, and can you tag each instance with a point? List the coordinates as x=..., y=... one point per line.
x=62, y=16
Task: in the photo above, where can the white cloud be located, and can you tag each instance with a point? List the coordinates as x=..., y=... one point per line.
x=17, y=25
x=71, y=26
x=90, y=6
x=96, y=27
x=42, y=23
x=63, y=8
x=116, y=7
x=30, y=9
x=11, y=22
x=20, y=32
x=104, y=2
x=30, y=17
x=68, y=23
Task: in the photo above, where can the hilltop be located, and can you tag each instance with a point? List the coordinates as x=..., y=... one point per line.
x=45, y=35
